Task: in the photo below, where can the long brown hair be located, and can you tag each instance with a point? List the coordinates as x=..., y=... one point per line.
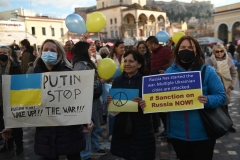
x=198, y=62
x=113, y=50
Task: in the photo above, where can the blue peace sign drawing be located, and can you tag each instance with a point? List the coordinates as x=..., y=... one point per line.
x=120, y=99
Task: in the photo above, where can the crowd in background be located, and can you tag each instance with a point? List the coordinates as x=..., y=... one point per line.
x=145, y=58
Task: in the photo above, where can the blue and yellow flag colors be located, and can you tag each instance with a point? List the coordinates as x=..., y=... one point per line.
x=122, y=100
x=25, y=90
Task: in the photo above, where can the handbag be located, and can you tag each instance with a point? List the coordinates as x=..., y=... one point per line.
x=216, y=121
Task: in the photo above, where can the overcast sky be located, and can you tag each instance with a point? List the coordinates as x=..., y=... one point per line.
x=62, y=8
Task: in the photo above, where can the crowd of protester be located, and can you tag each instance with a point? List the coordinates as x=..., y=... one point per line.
x=146, y=58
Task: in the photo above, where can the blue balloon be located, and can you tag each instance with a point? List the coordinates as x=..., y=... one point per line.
x=163, y=36
x=105, y=92
x=235, y=63
x=76, y=24
x=118, y=72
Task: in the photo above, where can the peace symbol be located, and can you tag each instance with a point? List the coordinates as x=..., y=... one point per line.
x=122, y=99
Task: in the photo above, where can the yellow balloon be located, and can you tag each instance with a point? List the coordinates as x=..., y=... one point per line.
x=122, y=67
x=106, y=68
x=96, y=22
x=177, y=36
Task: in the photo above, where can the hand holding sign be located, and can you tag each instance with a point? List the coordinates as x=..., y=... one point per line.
x=203, y=99
x=121, y=100
x=140, y=102
x=6, y=133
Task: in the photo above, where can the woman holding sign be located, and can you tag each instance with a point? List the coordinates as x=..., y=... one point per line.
x=185, y=128
x=133, y=137
x=51, y=142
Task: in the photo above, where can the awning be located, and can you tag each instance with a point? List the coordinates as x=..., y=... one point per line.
x=208, y=40
x=8, y=37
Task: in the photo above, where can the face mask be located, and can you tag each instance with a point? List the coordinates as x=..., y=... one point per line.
x=186, y=55
x=104, y=55
x=49, y=58
x=145, y=52
x=3, y=57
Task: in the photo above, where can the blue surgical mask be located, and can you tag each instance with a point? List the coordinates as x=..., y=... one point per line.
x=49, y=58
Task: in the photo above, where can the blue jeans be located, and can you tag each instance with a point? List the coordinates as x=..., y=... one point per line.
x=111, y=122
x=94, y=145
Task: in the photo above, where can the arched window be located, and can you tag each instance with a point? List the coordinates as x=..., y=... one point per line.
x=223, y=33
x=236, y=32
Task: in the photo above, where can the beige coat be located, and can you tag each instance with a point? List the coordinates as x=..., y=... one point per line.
x=226, y=71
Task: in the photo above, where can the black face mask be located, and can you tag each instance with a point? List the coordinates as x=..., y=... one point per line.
x=186, y=55
x=104, y=55
x=3, y=57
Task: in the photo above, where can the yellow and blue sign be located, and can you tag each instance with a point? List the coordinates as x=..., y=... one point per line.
x=25, y=90
x=172, y=92
x=122, y=100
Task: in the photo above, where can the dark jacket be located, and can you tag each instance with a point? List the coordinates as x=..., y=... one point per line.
x=141, y=144
x=147, y=57
x=60, y=140
x=14, y=69
x=26, y=58
x=160, y=59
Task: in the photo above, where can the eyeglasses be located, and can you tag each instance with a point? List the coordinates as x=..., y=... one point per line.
x=221, y=51
x=118, y=43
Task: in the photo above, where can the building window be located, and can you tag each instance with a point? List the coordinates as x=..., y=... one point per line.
x=116, y=34
x=102, y=4
x=129, y=33
x=33, y=31
x=134, y=33
x=105, y=36
x=44, y=31
x=115, y=20
x=53, y=33
x=128, y=20
x=110, y=21
x=61, y=32
x=112, y=34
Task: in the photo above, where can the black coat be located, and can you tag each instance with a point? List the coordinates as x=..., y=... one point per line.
x=147, y=57
x=60, y=140
x=141, y=144
x=15, y=69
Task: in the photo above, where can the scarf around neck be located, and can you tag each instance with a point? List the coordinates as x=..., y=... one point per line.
x=222, y=69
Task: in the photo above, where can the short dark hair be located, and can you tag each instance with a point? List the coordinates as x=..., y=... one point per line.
x=25, y=43
x=96, y=41
x=139, y=58
x=152, y=39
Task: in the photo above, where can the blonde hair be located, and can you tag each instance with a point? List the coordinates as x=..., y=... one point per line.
x=102, y=49
x=60, y=50
x=218, y=45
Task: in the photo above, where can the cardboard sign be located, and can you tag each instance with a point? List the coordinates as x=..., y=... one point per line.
x=122, y=100
x=172, y=92
x=48, y=99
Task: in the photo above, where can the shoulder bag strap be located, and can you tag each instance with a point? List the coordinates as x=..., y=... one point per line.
x=203, y=73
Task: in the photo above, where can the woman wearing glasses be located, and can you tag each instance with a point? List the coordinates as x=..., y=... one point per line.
x=226, y=71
